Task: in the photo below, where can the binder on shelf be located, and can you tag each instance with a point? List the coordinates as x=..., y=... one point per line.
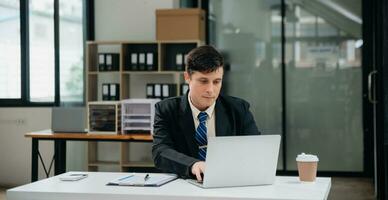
x=101, y=62
x=112, y=61
x=134, y=62
x=114, y=90
x=105, y=92
x=108, y=62
x=157, y=91
x=165, y=91
x=185, y=60
x=184, y=88
x=168, y=90
x=179, y=62
x=142, y=63
x=150, y=91
x=151, y=62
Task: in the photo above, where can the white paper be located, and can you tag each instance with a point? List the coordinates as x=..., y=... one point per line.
x=112, y=90
x=165, y=90
x=140, y=180
x=142, y=58
x=178, y=59
x=150, y=59
x=157, y=90
x=109, y=59
x=101, y=59
x=105, y=89
x=134, y=58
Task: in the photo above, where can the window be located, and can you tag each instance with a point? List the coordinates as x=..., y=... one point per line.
x=42, y=60
x=41, y=52
x=10, y=75
x=71, y=51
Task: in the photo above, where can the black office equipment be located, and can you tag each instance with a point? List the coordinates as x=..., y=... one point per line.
x=168, y=90
x=183, y=88
x=158, y=91
x=112, y=61
x=134, y=61
x=174, y=55
x=101, y=62
x=179, y=62
x=114, y=92
x=142, y=64
x=105, y=92
x=151, y=60
x=104, y=117
x=149, y=91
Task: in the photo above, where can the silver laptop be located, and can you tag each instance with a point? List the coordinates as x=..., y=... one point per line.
x=240, y=161
x=68, y=119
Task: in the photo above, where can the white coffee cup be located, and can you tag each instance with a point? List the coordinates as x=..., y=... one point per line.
x=307, y=167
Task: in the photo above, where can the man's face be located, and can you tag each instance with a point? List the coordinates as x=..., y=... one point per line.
x=204, y=87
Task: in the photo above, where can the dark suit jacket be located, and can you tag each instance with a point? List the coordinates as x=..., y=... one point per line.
x=175, y=149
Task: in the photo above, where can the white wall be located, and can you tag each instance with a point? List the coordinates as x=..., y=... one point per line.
x=114, y=20
x=127, y=19
x=15, y=149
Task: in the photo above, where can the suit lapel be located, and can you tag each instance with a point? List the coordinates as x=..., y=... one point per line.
x=187, y=125
x=223, y=126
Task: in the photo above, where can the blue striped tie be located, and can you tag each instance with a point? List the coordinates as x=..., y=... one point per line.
x=201, y=135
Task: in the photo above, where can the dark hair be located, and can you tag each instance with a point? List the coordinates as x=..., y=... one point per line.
x=204, y=59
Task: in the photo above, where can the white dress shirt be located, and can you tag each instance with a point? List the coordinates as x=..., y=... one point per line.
x=210, y=121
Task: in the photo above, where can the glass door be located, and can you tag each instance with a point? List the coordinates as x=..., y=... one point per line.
x=324, y=83
x=322, y=90
x=244, y=31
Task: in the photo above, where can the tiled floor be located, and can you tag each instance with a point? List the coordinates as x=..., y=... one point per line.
x=351, y=188
x=2, y=194
x=342, y=188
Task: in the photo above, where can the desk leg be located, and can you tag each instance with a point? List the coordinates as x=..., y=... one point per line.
x=60, y=157
x=34, y=159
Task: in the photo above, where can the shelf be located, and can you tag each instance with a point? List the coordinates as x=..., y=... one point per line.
x=103, y=72
x=137, y=115
x=152, y=72
x=137, y=121
x=138, y=164
x=103, y=163
x=94, y=132
x=132, y=79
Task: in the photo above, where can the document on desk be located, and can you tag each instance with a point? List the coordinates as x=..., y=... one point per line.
x=144, y=180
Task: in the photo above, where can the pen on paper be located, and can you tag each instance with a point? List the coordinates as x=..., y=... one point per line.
x=146, y=177
x=125, y=177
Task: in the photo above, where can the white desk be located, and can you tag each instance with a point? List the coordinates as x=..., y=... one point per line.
x=94, y=188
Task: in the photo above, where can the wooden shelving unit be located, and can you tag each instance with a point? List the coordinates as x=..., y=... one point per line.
x=165, y=52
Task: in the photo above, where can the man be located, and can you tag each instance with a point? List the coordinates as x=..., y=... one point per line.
x=183, y=124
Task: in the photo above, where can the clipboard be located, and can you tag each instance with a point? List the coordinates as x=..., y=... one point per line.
x=143, y=180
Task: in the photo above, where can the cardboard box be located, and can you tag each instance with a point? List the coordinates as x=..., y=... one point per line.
x=180, y=24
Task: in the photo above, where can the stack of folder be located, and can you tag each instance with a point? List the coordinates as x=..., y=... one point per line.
x=180, y=60
x=141, y=61
x=161, y=90
x=110, y=92
x=108, y=61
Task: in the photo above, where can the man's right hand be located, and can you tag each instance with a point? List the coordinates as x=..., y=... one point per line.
x=197, y=169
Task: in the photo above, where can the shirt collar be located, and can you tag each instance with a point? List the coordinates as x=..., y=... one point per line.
x=209, y=111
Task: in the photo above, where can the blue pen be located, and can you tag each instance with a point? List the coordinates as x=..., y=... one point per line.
x=125, y=177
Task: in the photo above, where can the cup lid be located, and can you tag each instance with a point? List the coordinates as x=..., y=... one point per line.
x=307, y=158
